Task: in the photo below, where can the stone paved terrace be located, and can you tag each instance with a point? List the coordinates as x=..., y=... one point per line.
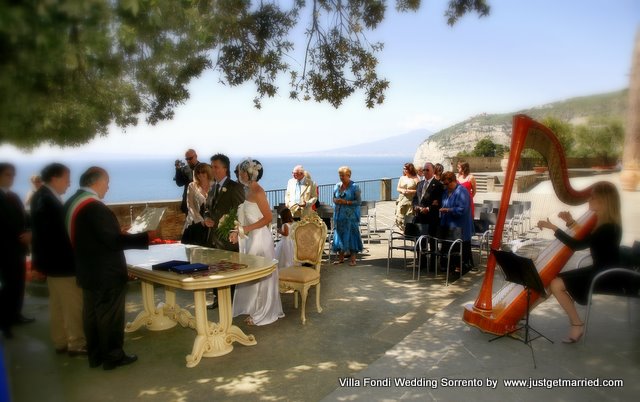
x=373, y=325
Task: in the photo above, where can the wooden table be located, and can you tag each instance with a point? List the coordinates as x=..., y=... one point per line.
x=212, y=339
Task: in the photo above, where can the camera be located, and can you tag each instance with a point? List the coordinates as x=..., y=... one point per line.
x=179, y=163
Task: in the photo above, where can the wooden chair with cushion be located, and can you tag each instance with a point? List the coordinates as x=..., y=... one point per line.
x=308, y=236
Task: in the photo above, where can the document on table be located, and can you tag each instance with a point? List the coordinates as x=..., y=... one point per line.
x=149, y=219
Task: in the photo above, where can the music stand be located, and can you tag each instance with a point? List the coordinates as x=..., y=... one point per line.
x=522, y=271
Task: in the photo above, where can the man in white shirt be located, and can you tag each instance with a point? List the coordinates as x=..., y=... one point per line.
x=301, y=195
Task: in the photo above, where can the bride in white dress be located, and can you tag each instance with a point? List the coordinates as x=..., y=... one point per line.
x=260, y=299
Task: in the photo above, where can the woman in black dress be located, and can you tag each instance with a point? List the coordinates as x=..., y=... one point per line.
x=604, y=242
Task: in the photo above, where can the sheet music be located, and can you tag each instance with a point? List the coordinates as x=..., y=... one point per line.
x=149, y=219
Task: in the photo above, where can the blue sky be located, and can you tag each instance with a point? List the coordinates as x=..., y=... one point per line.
x=526, y=53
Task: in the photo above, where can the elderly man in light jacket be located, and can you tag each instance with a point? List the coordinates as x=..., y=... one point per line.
x=302, y=193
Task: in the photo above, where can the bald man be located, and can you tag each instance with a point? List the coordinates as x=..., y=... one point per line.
x=184, y=175
x=98, y=243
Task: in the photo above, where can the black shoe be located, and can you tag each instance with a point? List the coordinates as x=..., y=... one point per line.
x=24, y=320
x=78, y=352
x=213, y=305
x=125, y=360
x=62, y=350
x=95, y=363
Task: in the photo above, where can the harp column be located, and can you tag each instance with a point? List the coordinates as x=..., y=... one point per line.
x=630, y=175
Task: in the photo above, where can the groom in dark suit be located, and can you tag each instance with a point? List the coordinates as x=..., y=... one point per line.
x=225, y=195
x=426, y=204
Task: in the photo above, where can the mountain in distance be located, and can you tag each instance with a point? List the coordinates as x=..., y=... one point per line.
x=398, y=145
x=463, y=136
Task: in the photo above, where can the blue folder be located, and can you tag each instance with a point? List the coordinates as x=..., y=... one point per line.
x=167, y=265
x=189, y=268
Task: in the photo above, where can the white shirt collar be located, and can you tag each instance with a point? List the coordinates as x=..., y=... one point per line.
x=89, y=190
x=221, y=182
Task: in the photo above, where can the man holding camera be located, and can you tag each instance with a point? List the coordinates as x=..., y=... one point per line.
x=184, y=175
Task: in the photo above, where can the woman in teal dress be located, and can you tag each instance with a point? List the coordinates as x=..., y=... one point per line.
x=346, y=217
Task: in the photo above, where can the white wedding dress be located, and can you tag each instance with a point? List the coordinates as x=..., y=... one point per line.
x=260, y=298
x=284, y=250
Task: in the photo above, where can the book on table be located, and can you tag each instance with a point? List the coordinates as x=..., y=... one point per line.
x=148, y=220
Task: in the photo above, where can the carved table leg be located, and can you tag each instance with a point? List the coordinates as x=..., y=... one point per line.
x=154, y=318
x=215, y=339
x=174, y=311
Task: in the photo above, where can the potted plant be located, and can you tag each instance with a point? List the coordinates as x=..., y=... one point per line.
x=540, y=165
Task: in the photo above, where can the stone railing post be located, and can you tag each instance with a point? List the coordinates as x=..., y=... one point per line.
x=630, y=176
x=385, y=189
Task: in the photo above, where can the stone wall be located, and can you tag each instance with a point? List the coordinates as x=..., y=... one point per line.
x=172, y=220
x=481, y=164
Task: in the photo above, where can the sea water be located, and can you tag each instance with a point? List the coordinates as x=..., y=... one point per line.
x=134, y=180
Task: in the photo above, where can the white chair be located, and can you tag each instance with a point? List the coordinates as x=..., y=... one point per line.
x=371, y=214
x=325, y=212
x=364, y=222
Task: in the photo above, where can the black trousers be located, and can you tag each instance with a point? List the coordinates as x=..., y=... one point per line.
x=12, y=276
x=467, y=257
x=431, y=250
x=103, y=316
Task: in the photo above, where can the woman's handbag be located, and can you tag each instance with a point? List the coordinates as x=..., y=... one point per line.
x=196, y=233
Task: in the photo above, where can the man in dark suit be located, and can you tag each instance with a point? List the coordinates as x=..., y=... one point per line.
x=426, y=204
x=14, y=241
x=53, y=256
x=98, y=245
x=184, y=175
x=225, y=195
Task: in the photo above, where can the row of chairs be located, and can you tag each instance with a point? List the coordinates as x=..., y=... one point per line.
x=517, y=224
x=368, y=218
x=415, y=239
x=485, y=218
x=518, y=218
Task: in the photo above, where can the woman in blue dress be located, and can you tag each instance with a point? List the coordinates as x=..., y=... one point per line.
x=456, y=213
x=346, y=217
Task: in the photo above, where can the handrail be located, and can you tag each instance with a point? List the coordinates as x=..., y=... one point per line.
x=369, y=189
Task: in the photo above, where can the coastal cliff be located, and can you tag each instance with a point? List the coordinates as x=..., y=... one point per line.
x=463, y=136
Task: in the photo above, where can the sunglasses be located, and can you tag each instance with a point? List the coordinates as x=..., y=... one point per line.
x=189, y=158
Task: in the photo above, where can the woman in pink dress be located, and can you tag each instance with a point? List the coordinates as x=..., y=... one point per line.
x=466, y=179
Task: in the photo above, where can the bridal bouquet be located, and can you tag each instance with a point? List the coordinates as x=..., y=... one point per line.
x=228, y=223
